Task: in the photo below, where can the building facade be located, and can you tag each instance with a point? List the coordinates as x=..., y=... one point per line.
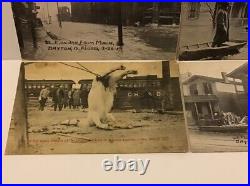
x=205, y=97
x=106, y=13
x=143, y=92
x=241, y=75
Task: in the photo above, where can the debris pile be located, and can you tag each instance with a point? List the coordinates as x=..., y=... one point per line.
x=71, y=126
x=63, y=127
x=230, y=118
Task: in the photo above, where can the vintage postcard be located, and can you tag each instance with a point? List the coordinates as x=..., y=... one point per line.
x=216, y=105
x=213, y=30
x=97, y=31
x=97, y=107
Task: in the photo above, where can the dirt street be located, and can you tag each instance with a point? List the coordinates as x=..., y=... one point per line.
x=134, y=133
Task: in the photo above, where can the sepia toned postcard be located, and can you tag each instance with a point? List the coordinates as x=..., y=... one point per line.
x=216, y=105
x=213, y=31
x=55, y=31
x=97, y=107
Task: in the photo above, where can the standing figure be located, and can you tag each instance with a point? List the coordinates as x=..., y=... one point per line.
x=221, y=24
x=65, y=99
x=84, y=98
x=58, y=98
x=76, y=99
x=70, y=98
x=43, y=97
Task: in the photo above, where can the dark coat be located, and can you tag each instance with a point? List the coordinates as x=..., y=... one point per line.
x=76, y=98
x=221, y=28
x=58, y=95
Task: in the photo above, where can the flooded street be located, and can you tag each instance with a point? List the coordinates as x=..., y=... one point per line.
x=147, y=42
x=198, y=31
x=217, y=142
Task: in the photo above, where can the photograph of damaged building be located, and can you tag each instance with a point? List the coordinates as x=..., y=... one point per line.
x=147, y=109
x=216, y=107
x=49, y=30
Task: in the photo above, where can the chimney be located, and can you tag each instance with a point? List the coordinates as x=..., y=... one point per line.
x=224, y=77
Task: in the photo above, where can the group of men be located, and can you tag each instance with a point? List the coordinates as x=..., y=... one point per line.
x=63, y=98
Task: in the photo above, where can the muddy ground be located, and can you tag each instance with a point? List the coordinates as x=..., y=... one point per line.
x=67, y=132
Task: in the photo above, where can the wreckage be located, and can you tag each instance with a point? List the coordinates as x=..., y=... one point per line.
x=226, y=122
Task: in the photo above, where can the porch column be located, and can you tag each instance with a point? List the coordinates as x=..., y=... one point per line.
x=196, y=110
x=211, y=110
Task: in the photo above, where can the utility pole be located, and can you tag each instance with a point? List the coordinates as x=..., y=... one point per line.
x=49, y=18
x=59, y=16
x=155, y=13
x=32, y=19
x=119, y=23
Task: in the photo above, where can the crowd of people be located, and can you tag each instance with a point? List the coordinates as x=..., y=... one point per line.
x=63, y=98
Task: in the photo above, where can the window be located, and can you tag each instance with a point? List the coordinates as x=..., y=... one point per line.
x=194, y=10
x=207, y=88
x=193, y=89
x=158, y=93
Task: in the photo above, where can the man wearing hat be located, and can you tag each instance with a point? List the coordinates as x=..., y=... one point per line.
x=44, y=93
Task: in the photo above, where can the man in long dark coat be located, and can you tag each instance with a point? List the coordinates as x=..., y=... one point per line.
x=221, y=24
x=58, y=98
